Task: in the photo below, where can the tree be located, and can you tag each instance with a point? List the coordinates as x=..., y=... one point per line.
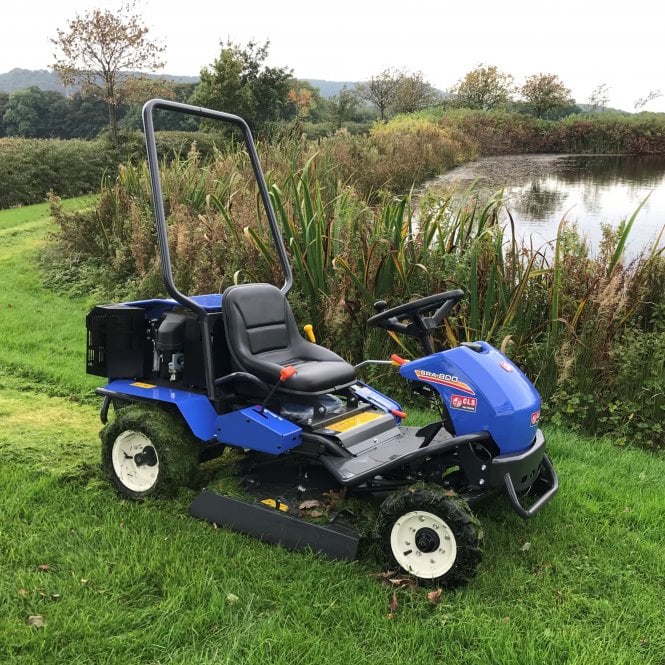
x=35, y=113
x=86, y=117
x=4, y=98
x=545, y=94
x=344, y=106
x=413, y=93
x=239, y=82
x=380, y=90
x=641, y=102
x=100, y=49
x=599, y=97
x=303, y=99
x=484, y=88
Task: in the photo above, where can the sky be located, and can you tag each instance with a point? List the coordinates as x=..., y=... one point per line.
x=586, y=43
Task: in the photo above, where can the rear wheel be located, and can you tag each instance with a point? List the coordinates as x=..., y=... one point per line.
x=431, y=534
x=148, y=451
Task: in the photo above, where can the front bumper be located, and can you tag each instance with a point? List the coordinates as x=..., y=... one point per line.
x=528, y=471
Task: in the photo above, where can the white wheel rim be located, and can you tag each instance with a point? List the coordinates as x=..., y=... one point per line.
x=423, y=544
x=135, y=477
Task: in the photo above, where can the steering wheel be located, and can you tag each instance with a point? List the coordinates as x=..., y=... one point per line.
x=419, y=326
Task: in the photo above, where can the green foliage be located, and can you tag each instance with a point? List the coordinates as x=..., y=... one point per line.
x=545, y=94
x=30, y=168
x=501, y=132
x=239, y=82
x=4, y=99
x=395, y=91
x=34, y=113
x=484, y=88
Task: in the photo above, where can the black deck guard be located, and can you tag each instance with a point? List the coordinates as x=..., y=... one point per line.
x=274, y=526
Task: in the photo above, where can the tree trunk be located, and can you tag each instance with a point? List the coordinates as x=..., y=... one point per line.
x=113, y=123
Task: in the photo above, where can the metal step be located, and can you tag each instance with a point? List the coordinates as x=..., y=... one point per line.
x=404, y=447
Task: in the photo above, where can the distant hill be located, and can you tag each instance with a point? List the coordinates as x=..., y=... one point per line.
x=18, y=79
x=331, y=88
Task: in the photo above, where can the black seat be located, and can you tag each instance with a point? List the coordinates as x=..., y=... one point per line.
x=263, y=337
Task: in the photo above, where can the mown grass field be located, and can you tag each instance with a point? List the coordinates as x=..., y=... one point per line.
x=121, y=582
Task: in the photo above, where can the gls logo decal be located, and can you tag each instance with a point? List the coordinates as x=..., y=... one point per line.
x=463, y=403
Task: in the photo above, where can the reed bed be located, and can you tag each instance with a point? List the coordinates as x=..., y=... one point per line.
x=589, y=329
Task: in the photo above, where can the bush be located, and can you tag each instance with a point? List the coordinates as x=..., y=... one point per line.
x=30, y=168
x=501, y=132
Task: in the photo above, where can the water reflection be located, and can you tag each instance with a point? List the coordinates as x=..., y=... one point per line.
x=537, y=200
x=590, y=190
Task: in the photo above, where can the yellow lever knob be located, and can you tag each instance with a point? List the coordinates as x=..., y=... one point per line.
x=309, y=331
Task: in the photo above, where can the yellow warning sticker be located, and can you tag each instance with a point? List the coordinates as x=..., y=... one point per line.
x=277, y=504
x=138, y=384
x=354, y=421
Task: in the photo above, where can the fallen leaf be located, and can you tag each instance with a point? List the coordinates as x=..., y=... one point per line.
x=335, y=495
x=393, y=603
x=43, y=567
x=385, y=574
x=36, y=621
x=401, y=582
x=505, y=620
x=626, y=509
x=23, y=592
x=315, y=513
x=434, y=597
x=309, y=504
x=526, y=547
x=391, y=615
x=232, y=598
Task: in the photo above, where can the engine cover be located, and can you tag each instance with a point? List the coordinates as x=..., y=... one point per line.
x=482, y=390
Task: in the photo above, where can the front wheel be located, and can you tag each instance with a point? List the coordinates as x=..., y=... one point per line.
x=431, y=534
x=147, y=451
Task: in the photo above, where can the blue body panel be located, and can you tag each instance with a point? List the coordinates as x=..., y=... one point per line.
x=211, y=302
x=482, y=391
x=249, y=428
x=253, y=428
x=195, y=408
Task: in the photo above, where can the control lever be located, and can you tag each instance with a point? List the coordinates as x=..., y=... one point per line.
x=286, y=373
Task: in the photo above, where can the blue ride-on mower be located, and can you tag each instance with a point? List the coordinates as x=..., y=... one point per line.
x=192, y=375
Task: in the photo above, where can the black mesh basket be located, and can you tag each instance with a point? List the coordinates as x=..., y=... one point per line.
x=116, y=341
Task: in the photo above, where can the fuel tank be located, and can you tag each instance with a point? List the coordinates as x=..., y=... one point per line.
x=482, y=390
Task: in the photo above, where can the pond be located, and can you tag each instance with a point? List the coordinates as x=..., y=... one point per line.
x=589, y=190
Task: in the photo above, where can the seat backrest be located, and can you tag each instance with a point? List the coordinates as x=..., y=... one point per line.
x=258, y=319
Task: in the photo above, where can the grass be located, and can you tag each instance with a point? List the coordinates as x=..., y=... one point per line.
x=43, y=333
x=122, y=582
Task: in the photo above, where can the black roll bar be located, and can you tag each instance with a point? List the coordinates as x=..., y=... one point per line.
x=160, y=218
